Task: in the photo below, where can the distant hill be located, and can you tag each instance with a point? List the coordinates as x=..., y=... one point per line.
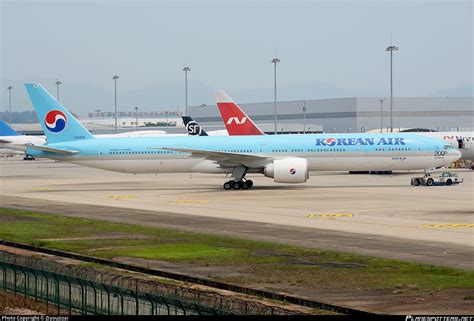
x=82, y=98
x=24, y=117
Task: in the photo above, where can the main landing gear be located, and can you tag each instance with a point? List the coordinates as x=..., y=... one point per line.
x=238, y=180
x=238, y=184
x=28, y=157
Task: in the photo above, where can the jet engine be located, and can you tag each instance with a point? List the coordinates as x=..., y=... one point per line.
x=288, y=170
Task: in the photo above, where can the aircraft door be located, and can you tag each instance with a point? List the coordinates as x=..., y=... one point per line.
x=362, y=159
x=103, y=151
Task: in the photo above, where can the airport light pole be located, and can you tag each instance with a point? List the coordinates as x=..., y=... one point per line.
x=186, y=69
x=136, y=118
x=304, y=116
x=57, y=83
x=381, y=114
x=274, y=62
x=10, y=104
x=391, y=48
x=115, y=87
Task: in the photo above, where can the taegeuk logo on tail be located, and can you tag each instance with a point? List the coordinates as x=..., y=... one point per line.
x=55, y=121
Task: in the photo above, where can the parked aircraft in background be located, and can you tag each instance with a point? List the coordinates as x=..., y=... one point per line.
x=462, y=141
x=136, y=133
x=285, y=158
x=236, y=121
x=6, y=151
x=10, y=138
x=192, y=127
x=11, y=142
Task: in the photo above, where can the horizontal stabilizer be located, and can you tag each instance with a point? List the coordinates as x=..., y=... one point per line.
x=54, y=150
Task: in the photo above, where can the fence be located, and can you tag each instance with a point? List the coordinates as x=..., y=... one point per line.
x=81, y=296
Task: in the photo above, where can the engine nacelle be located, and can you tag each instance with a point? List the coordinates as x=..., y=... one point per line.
x=288, y=170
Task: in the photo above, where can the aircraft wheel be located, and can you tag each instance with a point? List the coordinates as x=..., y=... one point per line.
x=227, y=185
x=250, y=183
x=236, y=185
x=245, y=185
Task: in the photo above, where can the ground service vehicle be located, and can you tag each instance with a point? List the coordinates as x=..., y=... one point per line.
x=446, y=178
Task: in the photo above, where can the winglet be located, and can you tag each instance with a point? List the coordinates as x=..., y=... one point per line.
x=235, y=120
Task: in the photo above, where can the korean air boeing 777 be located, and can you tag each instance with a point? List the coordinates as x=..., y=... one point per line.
x=285, y=158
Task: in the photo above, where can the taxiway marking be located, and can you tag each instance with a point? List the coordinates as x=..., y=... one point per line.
x=453, y=225
x=119, y=197
x=187, y=202
x=330, y=215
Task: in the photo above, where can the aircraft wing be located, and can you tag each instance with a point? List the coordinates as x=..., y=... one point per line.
x=226, y=159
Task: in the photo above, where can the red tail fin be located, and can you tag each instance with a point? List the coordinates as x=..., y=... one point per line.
x=235, y=120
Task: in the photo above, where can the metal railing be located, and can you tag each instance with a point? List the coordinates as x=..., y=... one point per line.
x=237, y=307
x=66, y=294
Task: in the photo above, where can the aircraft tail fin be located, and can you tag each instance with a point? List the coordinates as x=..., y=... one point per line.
x=192, y=127
x=6, y=130
x=57, y=122
x=235, y=119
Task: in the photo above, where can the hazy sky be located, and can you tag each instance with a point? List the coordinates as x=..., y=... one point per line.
x=229, y=45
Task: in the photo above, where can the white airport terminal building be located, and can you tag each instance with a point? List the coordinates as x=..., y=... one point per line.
x=356, y=114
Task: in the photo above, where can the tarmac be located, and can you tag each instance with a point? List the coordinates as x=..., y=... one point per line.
x=380, y=215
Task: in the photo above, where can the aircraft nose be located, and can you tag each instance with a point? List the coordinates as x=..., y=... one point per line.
x=452, y=156
x=457, y=154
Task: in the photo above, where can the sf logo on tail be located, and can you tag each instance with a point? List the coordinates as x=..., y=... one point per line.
x=236, y=120
x=193, y=128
